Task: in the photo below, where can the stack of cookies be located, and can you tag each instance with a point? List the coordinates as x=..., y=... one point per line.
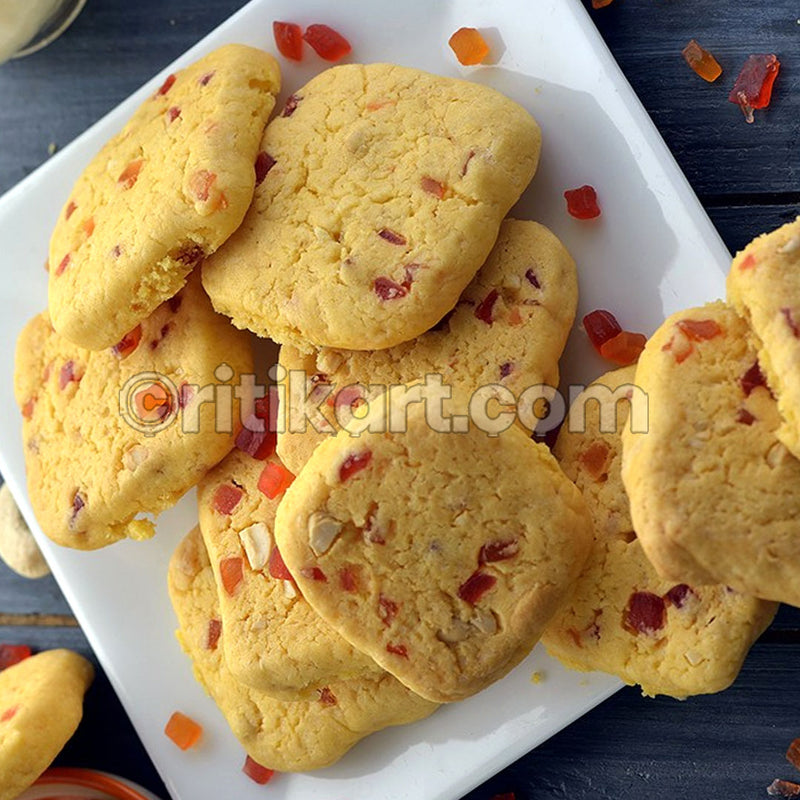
x=387, y=553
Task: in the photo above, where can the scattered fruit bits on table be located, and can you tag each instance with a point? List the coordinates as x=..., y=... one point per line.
x=779, y=788
x=582, y=202
x=469, y=46
x=793, y=753
x=185, y=732
x=256, y=772
x=601, y=3
x=701, y=61
x=11, y=654
x=610, y=341
x=326, y=42
x=511, y=795
x=753, y=86
x=288, y=39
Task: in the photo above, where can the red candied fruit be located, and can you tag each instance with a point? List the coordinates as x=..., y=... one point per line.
x=499, y=550
x=530, y=276
x=790, y=321
x=327, y=697
x=601, y=326
x=624, y=348
x=264, y=163
x=314, y=574
x=63, y=264
x=752, y=379
x=167, y=85
x=387, y=289
x=277, y=568
x=476, y=586
x=275, y=479
x=128, y=343
x=646, y=613
x=184, y=731
x=753, y=85
x=254, y=771
x=793, y=753
x=391, y=236
x=748, y=262
x=326, y=42
x=485, y=308
x=226, y=498
x=582, y=202
x=348, y=578
x=699, y=330
x=288, y=39
x=397, y=650
x=507, y=795
x=745, y=417
x=9, y=713
x=387, y=610
x=679, y=595
x=432, y=186
x=129, y=176
x=70, y=209
x=354, y=463
x=11, y=654
x=213, y=633
x=27, y=409
x=231, y=574
x=292, y=102
x=255, y=438
x=204, y=80
x=173, y=112
x=779, y=788
x=67, y=375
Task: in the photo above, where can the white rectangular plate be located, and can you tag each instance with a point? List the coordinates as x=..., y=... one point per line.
x=652, y=252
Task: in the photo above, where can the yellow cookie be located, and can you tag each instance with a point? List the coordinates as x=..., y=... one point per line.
x=384, y=193
x=715, y=497
x=295, y=736
x=508, y=329
x=442, y=556
x=41, y=704
x=114, y=435
x=274, y=642
x=162, y=194
x=764, y=287
x=671, y=638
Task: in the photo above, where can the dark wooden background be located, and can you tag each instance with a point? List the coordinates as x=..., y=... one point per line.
x=723, y=747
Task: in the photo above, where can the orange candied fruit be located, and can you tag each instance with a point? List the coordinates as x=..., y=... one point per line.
x=256, y=772
x=469, y=46
x=601, y=3
x=183, y=730
x=275, y=480
x=701, y=61
x=624, y=348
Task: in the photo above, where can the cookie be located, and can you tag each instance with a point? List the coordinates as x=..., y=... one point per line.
x=509, y=328
x=295, y=736
x=168, y=190
x=275, y=642
x=383, y=193
x=622, y=618
x=715, y=497
x=442, y=556
x=41, y=704
x=764, y=287
x=18, y=548
x=111, y=436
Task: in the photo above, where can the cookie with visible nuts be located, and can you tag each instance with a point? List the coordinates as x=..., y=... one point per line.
x=18, y=548
x=288, y=735
x=442, y=556
x=41, y=704
x=112, y=436
x=508, y=329
x=383, y=193
x=764, y=287
x=275, y=642
x=164, y=193
x=715, y=496
x=668, y=637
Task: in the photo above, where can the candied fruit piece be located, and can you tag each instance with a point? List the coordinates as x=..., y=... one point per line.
x=601, y=3
x=779, y=788
x=752, y=379
x=790, y=321
x=601, y=326
x=153, y=403
x=432, y=186
x=70, y=209
x=256, y=772
x=469, y=46
x=387, y=289
x=200, y=183
x=128, y=343
x=167, y=85
x=387, y=610
x=476, y=586
x=596, y=459
x=129, y=176
x=498, y=550
x=27, y=409
x=699, y=330
x=213, y=633
x=348, y=578
x=264, y=163
x=530, y=276
x=679, y=595
x=327, y=697
x=624, y=348
x=277, y=568
x=326, y=42
x=753, y=86
x=582, y=202
x=397, y=649
x=506, y=369
x=288, y=39
x=183, y=730
x=255, y=438
x=9, y=713
x=484, y=309
x=391, y=236
x=793, y=753
x=67, y=375
x=204, y=80
x=354, y=463
x=173, y=112
x=314, y=574
x=275, y=480
x=701, y=61
x=646, y=613
x=63, y=264
x=292, y=102
x=745, y=417
x=231, y=574
x=11, y=654
x=226, y=498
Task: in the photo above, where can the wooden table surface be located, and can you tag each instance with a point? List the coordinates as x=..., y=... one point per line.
x=724, y=747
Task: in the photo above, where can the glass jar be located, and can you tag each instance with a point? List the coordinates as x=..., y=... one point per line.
x=28, y=25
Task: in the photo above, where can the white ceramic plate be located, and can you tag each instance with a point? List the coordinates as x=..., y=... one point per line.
x=652, y=252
